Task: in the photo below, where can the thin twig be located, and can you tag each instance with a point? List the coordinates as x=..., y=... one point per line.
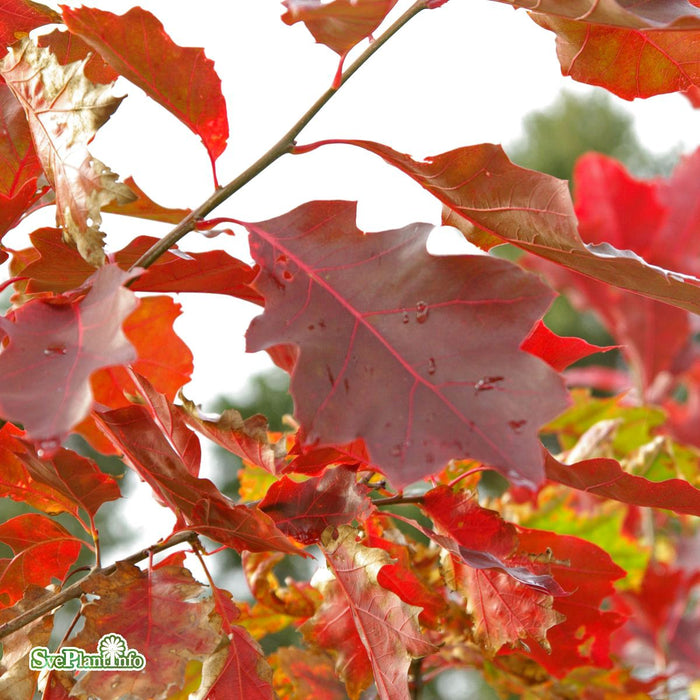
x=398, y=500
x=284, y=145
x=75, y=590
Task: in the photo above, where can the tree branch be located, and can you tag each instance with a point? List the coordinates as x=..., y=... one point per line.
x=75, y=590
x=284, y=145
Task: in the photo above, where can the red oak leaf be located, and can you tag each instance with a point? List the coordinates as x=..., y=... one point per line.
x=300, y=673
x=143, y=207
x=69, y=48
x=58, y=268
x=65, y=110
x=19, y=17
x=606, y=478
x=161, y=613
x=136, y=46
x=657, y=220
x=357, y=609
x=434, y=340
x=556, y=351
x=160, y=460
x=504, y=611
x=249, y=438
x=72, y=478
x=532, y=211
x=630, y=63
x=304, y=510
x=339, y=24
x=481, y=539
x=19, y=164
x=43, y=551
x=618, y=13
x=587, y=573
x=54, y=346
x=16, y=678
x=662, y=620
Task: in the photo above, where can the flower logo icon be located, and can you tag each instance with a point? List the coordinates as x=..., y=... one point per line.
x=111, y=647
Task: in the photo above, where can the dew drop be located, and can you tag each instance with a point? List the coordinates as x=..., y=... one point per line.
x=288, y=275
x=396, y=451
x=48, y=448
x=487, y=173
x=516, y=425
x=55, y=349
x=421, y=312
x=404, y=318
x=431, y=365
x=487, y=384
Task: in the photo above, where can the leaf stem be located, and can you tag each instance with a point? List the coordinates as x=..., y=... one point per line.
x=398, y=500
x=75, y=590
x=284, y=145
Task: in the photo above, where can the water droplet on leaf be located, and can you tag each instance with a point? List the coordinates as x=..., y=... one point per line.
x=48, y=448
x=396, y=451
x=56, y=349
x=421, y=312
x=487, y=384
x=516, y=425
x=404, y=318
x=431, y=365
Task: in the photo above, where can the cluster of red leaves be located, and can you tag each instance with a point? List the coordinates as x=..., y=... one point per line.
x=405, y=368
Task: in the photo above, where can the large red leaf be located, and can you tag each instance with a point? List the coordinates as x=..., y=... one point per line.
x=339, y=24
x=434, y=341
x=136, y=46
x=386, y=626
x=304, y=510
x=195, y=501
x=630, y=63
x=143, y=207
x=18, y=17
x=65, y=110
x=487, y=193
x=43, y=550
x=162, y=614
x=54, y=346
x=606, y=478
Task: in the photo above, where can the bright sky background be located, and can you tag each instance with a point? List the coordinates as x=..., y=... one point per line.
x=464, y=74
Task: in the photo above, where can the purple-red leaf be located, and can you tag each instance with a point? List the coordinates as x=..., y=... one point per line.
x=136, y=46
x=54, y=346
x=417, y=355
x=304, y=510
